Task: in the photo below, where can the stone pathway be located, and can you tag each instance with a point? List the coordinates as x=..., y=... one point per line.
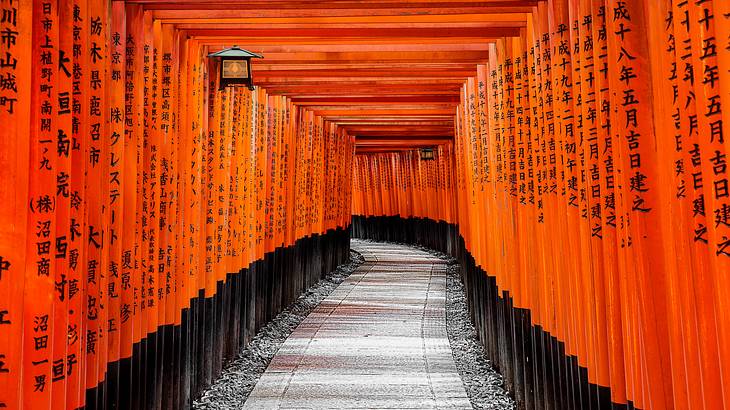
x=378, y=341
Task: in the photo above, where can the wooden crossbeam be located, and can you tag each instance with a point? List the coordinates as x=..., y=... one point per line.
x=380, y=69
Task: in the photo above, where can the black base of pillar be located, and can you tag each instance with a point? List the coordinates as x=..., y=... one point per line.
x=172, y=366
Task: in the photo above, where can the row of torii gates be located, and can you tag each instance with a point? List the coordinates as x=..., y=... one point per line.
x=152, y=221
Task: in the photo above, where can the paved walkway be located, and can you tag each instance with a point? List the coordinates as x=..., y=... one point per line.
x=378, y=341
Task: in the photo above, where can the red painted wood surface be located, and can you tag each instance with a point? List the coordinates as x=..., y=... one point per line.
x=580, y=148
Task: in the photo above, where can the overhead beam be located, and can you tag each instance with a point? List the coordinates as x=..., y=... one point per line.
x=305, y=100
x=199, y=17
x=243, y=10
x=389, y=72
x=349, y=32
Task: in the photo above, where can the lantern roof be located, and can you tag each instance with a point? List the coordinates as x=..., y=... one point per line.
x=235, y=51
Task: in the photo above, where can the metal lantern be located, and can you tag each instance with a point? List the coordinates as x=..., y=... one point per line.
x=235, y=67
x=427, y=154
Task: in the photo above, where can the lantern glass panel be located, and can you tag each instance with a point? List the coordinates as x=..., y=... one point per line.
x=427, y=154
x=235, y=69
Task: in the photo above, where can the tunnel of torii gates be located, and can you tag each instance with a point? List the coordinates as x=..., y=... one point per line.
x=151, y=223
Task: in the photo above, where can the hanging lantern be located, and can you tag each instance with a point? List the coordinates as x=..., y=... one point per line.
x=235, y=67
x=427, y=154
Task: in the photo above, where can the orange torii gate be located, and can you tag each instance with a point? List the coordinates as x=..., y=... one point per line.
x=152, y=223
x=161, y=218
x=590, y=160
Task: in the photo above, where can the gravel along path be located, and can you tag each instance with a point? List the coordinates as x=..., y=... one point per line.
x=241, y=374
x=483, y=384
